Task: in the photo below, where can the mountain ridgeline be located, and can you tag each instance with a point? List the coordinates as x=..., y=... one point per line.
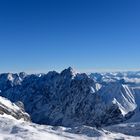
x=69, y=98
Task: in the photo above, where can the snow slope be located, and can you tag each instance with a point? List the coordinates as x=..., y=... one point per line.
x=12, y=129
x=119, y=94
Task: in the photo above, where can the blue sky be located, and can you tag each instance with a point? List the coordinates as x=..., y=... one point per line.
x=89, y=35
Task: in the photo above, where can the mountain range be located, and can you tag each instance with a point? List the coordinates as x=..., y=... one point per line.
x=72, y=99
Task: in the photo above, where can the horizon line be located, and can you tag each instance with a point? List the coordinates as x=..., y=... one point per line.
x=92, y=70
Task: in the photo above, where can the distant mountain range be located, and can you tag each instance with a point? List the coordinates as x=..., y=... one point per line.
x=70, y=99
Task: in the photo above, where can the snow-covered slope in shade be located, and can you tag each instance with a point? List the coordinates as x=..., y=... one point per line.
x=8, y=80
x=136, y=116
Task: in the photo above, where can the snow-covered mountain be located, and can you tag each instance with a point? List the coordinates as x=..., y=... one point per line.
x=122, y=89
x=73, y=99
x=64, y=98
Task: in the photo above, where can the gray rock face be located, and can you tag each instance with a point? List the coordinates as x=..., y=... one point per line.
x=66, y=98
x=11, y=109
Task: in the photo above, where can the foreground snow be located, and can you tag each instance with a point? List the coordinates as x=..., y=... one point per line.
x=12, y=129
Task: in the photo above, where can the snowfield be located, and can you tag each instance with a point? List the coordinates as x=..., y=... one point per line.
x=12, y=129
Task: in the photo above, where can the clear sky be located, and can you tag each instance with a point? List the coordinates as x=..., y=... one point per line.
x=89, y=35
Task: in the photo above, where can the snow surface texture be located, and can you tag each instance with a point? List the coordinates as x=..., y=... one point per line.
x=12, y=129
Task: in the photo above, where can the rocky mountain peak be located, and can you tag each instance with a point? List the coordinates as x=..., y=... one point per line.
x=69, y=72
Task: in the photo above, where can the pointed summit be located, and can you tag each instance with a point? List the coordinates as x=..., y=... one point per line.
x=69, y=72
